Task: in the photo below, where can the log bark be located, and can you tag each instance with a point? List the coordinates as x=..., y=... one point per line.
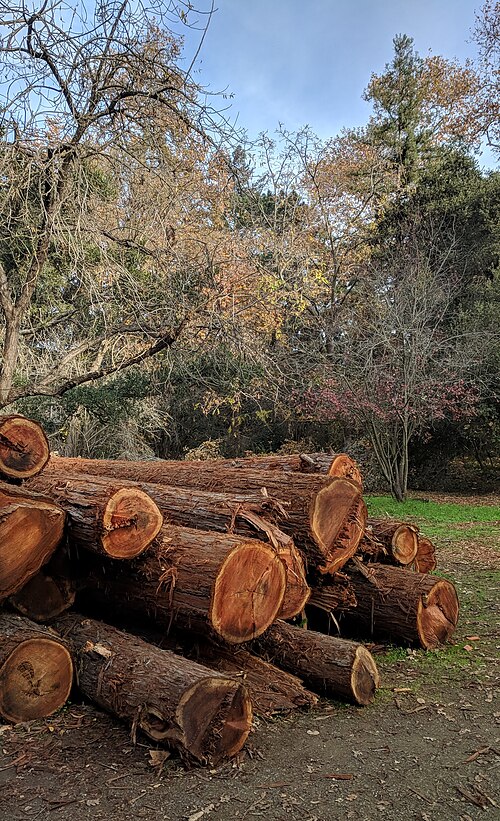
x=24, y=449
x=205, y=715
x=325, y=516
x=337, y=464
x=400, y=539
x=36, y=670
x=334, y=594
x=106, y=517
x=403, y=605
x=229, y=584
x=335, y=667
x=30, y=531
x=425, y=559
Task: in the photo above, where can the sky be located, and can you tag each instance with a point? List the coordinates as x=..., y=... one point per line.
x=307, y=62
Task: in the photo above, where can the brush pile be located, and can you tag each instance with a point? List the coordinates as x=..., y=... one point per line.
x=205, y=564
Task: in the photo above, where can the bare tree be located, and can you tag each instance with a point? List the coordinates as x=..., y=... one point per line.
x=103, y=139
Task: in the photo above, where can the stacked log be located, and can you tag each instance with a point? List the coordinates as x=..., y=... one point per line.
x=24, y=449
x=213, y=558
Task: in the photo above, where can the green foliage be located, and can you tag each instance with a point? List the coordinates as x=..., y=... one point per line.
x=436, y=519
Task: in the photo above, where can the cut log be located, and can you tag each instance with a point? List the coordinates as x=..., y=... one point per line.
x=337, y=464
x=36, y=670
x=335, y=667
x=400, y=539
x=48, y=594
x=425, y=559
x=232, y=585
x=105, y=517
x=24, y=449
x=325, y=516
x=205, y=715
x=403, y=605
x=30, y=531
x=297, y=591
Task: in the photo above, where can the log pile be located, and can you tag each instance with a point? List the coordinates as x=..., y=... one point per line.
x=202, y=563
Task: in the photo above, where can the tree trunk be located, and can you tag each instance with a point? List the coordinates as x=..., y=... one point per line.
x=24, y=449
x=36, y=670
x=207, y=716
x=325, y=516
x=400, y=539
x=333, y=666
x=425, y=559
x=105, y=517
x=403, y=605
x=228, y=584
x=30, y=531
x=337, y=464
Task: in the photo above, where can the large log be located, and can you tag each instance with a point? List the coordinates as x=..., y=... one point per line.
x=400, y=539
x=24, y=449
x=403, y=605
x=48, y=594
x=36, y=670
x=173, y=700
x=31, y=528
x=106, y=517
x=228, y=584
x=337, y=464
x=325, y=516
x=335, y=667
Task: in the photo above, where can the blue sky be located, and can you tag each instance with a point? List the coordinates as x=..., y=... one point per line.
x=307, y=62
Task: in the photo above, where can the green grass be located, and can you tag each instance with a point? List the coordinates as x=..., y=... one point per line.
x=436, y=519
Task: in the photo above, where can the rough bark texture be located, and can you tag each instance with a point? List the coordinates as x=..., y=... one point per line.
x=333, y=594
x=400, y=539
x=230, y=584
x=425, y=559
x=403, y=605
x=24, y=449
x=105, y=517
x=332, y=666
x=326, y=516
x=337, y=464
x=30, y=531
x=173, y=700
x=36, y=670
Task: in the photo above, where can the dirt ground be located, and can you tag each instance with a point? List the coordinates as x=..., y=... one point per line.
x=428, y=748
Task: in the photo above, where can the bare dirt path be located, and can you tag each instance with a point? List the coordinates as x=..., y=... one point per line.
x=428, y=748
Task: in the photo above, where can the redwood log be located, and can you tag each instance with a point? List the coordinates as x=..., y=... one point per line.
x=205, y=715
x=36, y=670
x=105, y=517
x=425, y=559
x=337, y=464
x=48, y=594
x=297, y=591
x=30, y=531
x=335, y=667
x=325, y=516
x=400, y=539
x=24, y=449
x=232, y=585
x=401, y=604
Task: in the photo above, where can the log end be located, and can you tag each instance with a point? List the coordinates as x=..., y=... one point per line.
x=437, y=615
x=213, y=720
x=405, y=544
x=24, y=449
x=131, y=521
x=344, y=467
x=44, y=597
x=35, y=680
x=297, y=592
x=365, y=677
x=248, y=592
x=425, y=558
x=30, y=531
x=338, y=522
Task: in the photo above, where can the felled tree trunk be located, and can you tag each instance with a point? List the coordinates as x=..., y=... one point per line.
x=105, y=517
x=36, y=670
x=207, y=716
x=30, y=531
x=325, y=516
x=297, y=590
x=229, y=584
x=332, y=666
x=400, y=539
x=425, y=559
x=403, y=605
x=24, y=449
x=48, y=594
